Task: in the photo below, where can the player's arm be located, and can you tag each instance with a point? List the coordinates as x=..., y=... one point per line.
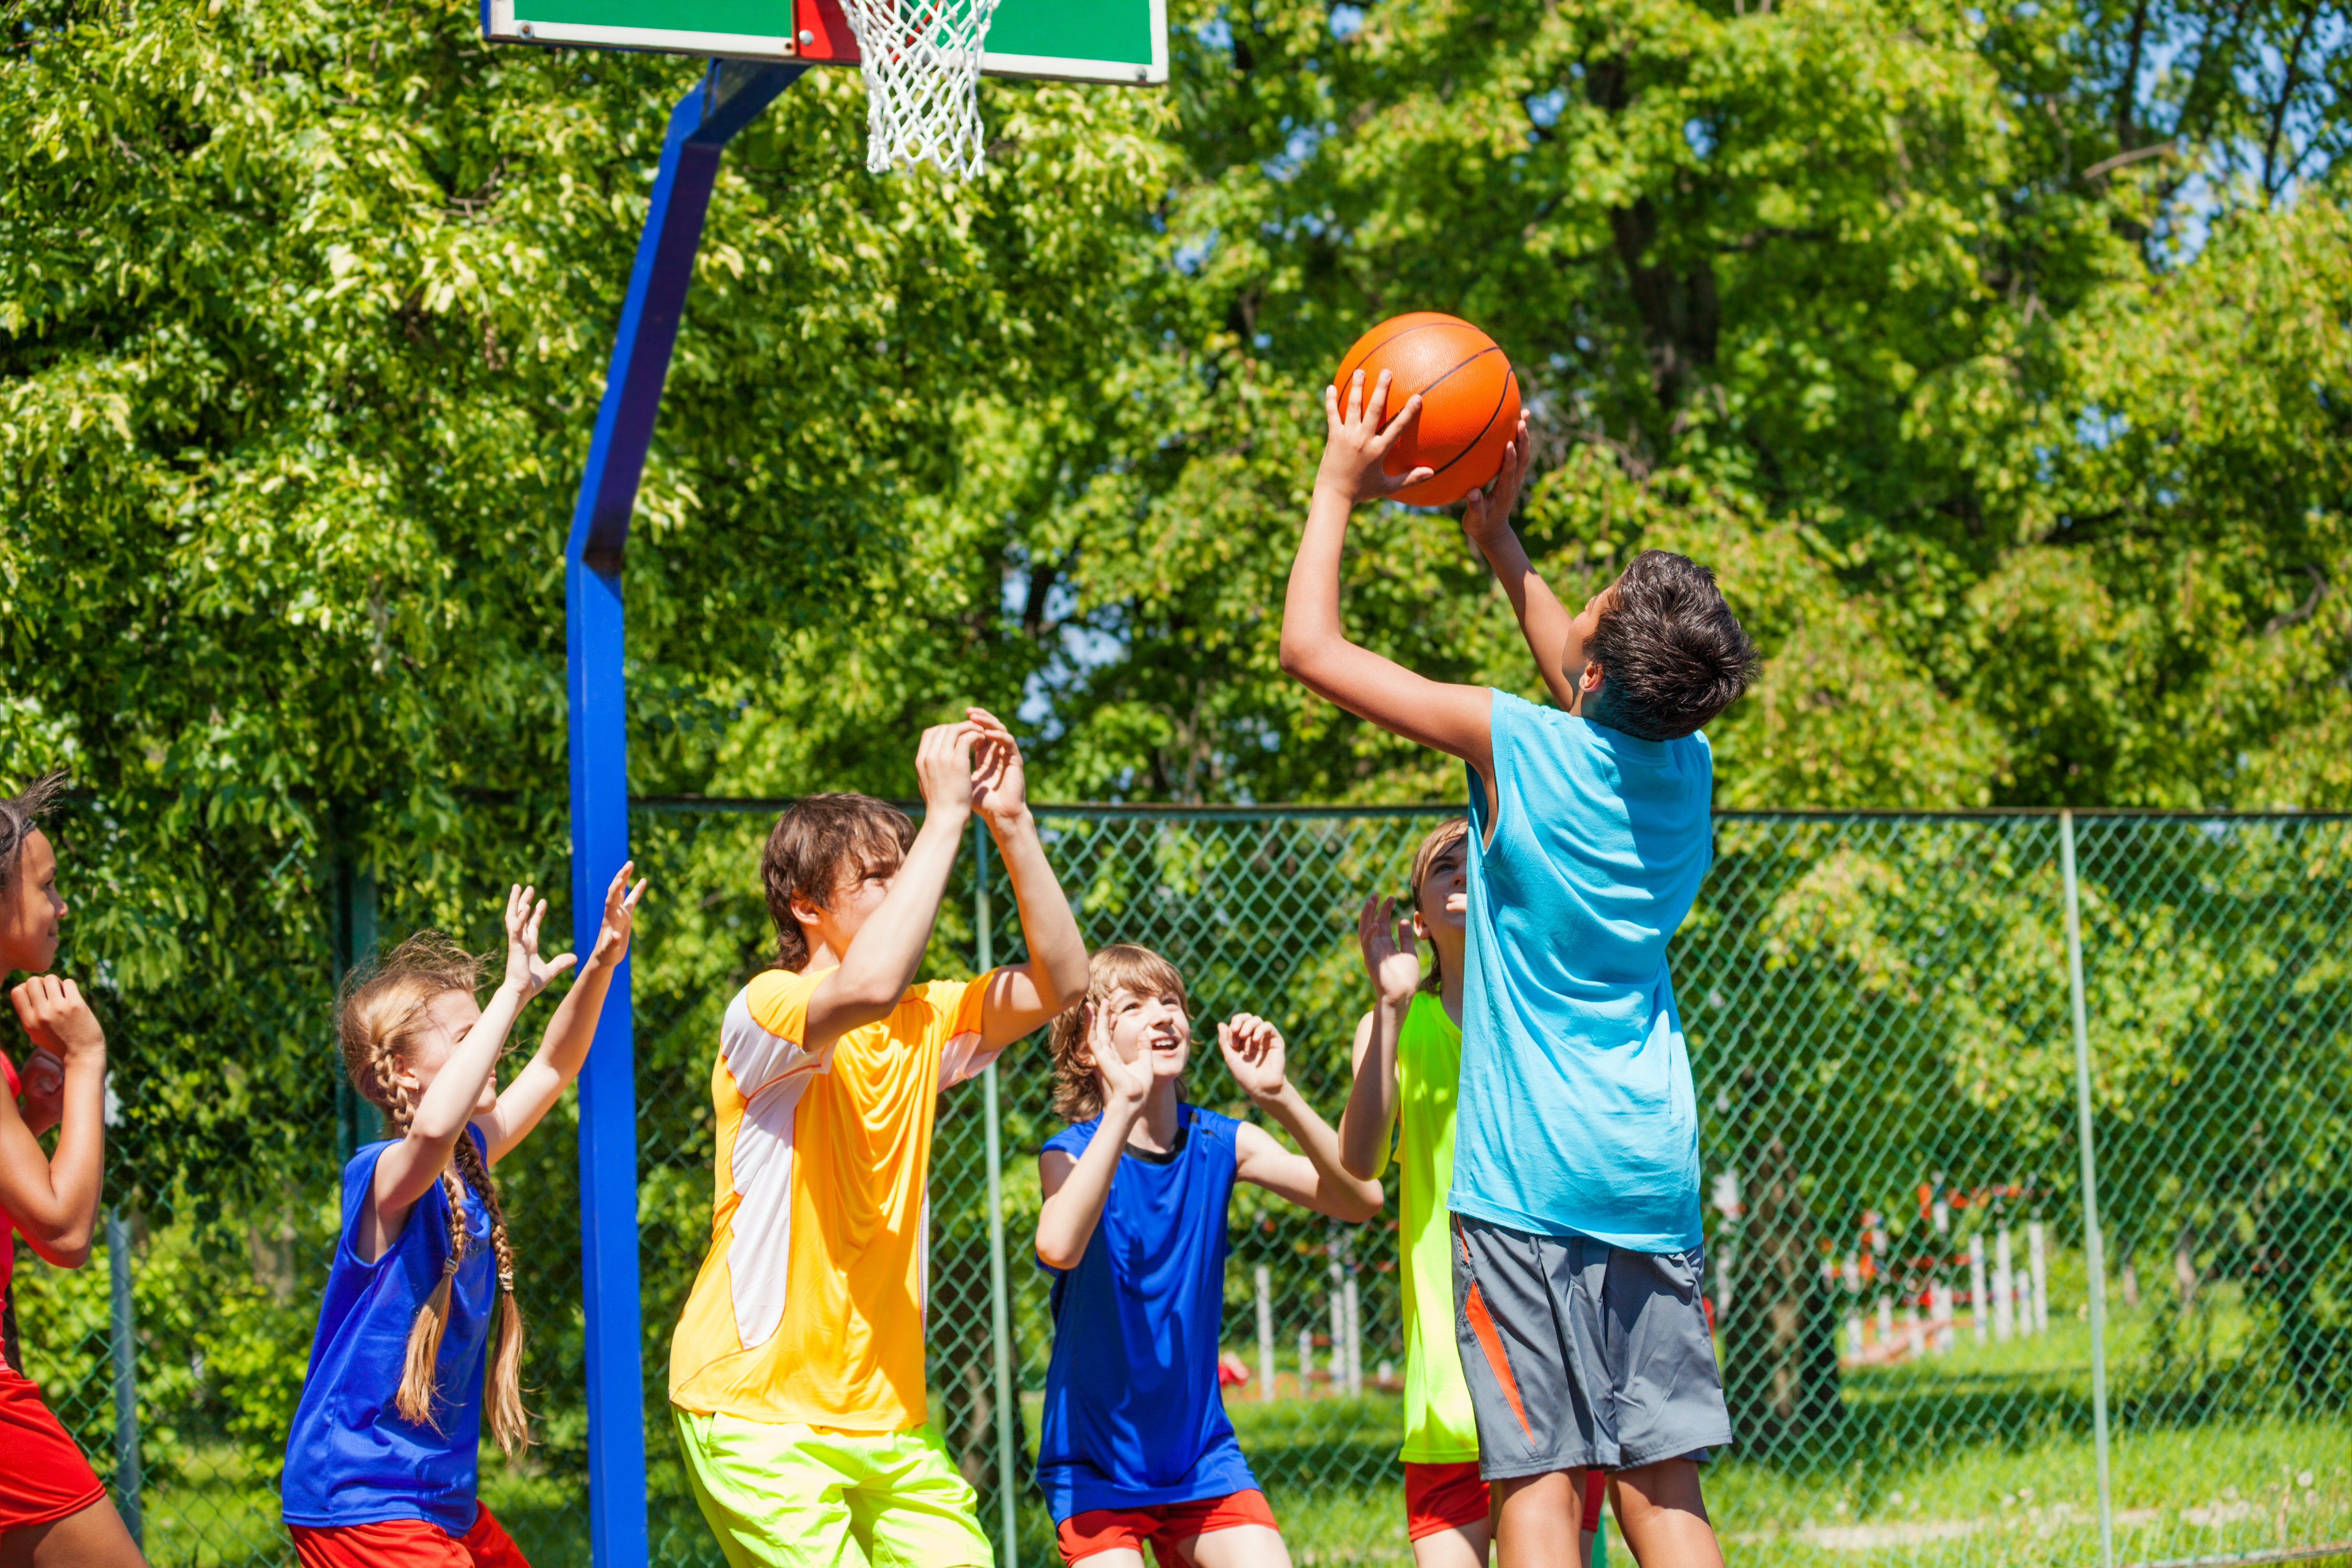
x=1315, y=646
x=1024, y=998
x=1314, y=1179
x=1372, y=1111
x=1075, y=1189
x=408, y=1170
x=880, y=964
x=563, y=1050
x=1543, y=620
x=55, y=1200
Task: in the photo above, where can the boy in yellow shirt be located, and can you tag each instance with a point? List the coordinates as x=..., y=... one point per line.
x=796, y=1372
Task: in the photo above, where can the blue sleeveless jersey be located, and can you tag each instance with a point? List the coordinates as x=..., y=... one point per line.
x=1133, y=1416
x=350, y=1457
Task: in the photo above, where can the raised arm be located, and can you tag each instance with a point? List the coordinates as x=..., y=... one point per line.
x=1543, y=620
x=1314, y=1179
x=1395, y=967
x=564, y=1049
x=407, y=1170
x=1026, y=997
x=55, y=1200
x=881, y=962
x=1315, y=646
x=1075, y=1190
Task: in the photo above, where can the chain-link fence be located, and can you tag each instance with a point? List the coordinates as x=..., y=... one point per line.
x=1882, y=1023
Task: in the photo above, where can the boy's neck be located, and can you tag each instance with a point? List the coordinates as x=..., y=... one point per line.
x=1450, y=966
x=1155, y=1131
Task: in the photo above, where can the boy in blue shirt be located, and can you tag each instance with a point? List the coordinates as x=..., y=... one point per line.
x=1136, y=1445
x=1576, y=1183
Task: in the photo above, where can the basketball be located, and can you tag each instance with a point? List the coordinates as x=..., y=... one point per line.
x=1469, y=400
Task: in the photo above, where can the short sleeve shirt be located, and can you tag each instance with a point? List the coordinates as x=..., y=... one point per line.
x=810, y=1306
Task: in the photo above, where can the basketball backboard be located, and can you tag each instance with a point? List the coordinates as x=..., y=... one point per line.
x=1121, y=41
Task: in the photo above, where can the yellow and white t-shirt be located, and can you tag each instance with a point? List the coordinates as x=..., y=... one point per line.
x=810, y=1307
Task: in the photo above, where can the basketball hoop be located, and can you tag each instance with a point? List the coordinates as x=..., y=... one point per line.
x=922, y=61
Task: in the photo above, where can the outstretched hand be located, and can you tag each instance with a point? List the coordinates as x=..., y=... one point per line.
x=620, y=917
x=1124, y=1084
x=1253, y=1054
x=1391, y=953
x=527, y=973
x=999, y=783
x=1487, y=511
x=1356, y=450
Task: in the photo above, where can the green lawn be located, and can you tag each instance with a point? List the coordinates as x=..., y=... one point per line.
x=1982, y=1458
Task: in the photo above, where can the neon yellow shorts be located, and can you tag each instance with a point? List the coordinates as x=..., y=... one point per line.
x=782, y=1496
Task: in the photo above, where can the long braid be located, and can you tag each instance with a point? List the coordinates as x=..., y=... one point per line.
x=503, y=1394
x=377, y=1023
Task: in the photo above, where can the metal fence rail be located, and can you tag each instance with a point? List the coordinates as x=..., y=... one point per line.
x=2025, y=1138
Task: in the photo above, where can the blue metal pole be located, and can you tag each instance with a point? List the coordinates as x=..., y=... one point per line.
x=729, y=96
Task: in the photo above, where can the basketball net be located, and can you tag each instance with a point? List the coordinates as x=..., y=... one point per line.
x=921, y=62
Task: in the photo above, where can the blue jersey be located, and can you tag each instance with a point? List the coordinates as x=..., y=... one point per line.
x=1576, y=1115
x=1133, y=1414
x=350, y=1459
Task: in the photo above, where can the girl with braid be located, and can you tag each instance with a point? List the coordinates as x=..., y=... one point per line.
x=379, y=1464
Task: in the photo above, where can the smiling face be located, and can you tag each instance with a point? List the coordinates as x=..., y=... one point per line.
x=30, y=909
x=1151, y=1025
x=449, y=1017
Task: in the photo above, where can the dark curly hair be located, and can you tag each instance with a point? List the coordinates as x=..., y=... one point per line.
x=19, y=815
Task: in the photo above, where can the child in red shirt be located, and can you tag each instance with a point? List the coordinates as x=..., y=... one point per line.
x=53, y=1512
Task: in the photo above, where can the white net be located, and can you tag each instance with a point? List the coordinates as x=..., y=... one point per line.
x=922, y=61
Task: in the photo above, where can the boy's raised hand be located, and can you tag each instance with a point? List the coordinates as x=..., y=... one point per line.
x=1357, y=445
x=999, y=783
x=1253, y=1054
x=1487, y=511
x=1391, y=954
x=943, y=768
x=1125, y=1085
x=620, y=917
x=527, y=973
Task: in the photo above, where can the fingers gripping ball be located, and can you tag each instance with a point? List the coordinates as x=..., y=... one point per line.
x=1469, y=400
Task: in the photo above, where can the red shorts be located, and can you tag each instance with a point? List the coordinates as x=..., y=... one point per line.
x=46, y=1479
x=407, y=1544
x=1167, y=1526
x=1452, y=1497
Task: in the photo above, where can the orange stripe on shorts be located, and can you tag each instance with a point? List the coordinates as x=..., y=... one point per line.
x=1483, y=1324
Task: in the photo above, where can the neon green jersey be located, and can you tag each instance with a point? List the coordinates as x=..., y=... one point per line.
x=1438, y=1426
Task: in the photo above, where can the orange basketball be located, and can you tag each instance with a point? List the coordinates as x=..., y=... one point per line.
x=1469, y=400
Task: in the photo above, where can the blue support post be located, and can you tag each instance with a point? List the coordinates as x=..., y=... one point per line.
x=729, y=96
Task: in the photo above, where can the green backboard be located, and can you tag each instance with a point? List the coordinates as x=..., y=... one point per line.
x=1073, y=40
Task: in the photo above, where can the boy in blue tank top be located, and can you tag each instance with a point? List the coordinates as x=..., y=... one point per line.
x=1136, y=1445
x=1577, y=1260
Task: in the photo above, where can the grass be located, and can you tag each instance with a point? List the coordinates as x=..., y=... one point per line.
x=1982, y=1458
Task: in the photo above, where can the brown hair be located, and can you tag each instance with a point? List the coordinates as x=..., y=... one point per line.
x=822, y=842
x=377, y=1023
x=19, y=815
x=1672, y=653
x=1453, y=830
x=1122, y=966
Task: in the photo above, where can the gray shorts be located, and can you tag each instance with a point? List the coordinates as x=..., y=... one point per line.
x=1580, y=1354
